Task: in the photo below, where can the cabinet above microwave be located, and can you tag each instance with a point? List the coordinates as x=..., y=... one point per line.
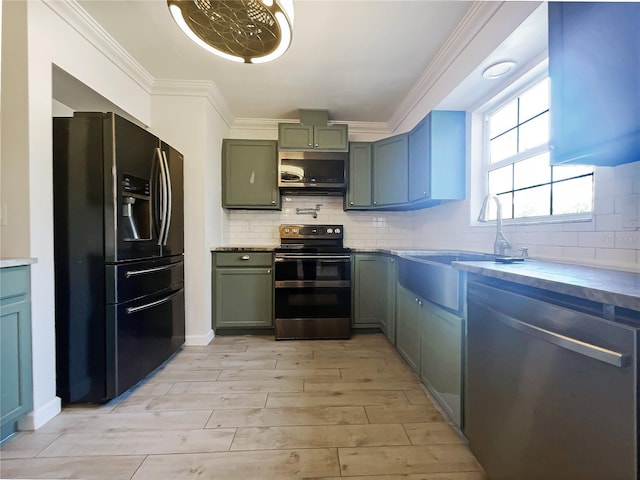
x=295, y=136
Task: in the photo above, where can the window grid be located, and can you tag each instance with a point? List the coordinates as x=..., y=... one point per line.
x=521, y=155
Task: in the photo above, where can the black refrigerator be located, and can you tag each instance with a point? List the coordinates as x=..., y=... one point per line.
x=118, y=252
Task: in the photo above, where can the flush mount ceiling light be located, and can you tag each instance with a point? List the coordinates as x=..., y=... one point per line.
x=249, y=31
x=499, y=69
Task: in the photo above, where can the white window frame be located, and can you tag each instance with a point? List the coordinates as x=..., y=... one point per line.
x=507, y=94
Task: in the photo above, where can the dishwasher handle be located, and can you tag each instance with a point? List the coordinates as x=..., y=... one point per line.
x=595, y=352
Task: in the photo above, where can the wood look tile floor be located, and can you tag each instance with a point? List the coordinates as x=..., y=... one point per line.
x=247, y=408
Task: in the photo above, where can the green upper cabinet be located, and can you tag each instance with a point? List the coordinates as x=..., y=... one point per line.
x=391, y=171
x=437, y=158
x=358, y=194
x=250, y=174
x=295, y=136
x=594, y=68
x=15, y=347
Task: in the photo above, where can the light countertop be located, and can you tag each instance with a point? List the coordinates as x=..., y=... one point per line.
x=7, y=262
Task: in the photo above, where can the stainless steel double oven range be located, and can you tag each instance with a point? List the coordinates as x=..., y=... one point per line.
x=312, y=283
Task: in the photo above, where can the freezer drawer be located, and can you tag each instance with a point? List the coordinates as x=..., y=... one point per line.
x=137, y=279
x=147, y=330
x=550, y=392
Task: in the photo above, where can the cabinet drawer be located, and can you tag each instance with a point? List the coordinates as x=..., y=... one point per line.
x=14, y=281
x=244, y=259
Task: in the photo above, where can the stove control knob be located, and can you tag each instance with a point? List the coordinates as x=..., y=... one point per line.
x=329, y=230
x=337, y=231
x=295, y=230
x=286, y=230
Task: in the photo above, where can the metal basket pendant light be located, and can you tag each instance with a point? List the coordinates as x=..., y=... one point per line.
x=249, y=31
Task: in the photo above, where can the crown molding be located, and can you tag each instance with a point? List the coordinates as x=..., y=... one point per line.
x=366, y=128
x=196, y=88
x=77, y=18
x=478, y=15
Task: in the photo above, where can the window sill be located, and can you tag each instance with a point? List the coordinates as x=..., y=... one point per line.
x=575, y=218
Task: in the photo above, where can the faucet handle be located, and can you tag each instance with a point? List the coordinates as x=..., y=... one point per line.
x=524, y=252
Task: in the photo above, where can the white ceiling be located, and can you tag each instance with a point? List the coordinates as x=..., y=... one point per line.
x=359, y=59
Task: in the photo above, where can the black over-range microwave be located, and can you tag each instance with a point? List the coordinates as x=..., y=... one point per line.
x=312, y=172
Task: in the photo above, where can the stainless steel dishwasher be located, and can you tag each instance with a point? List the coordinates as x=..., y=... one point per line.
x=551, y=386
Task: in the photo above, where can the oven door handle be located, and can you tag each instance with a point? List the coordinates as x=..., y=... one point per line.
x=336, y=258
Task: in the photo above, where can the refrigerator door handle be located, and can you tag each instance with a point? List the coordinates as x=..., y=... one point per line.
x=134, y=273
x=169, y=194
x=163, y=196
x=146, y=306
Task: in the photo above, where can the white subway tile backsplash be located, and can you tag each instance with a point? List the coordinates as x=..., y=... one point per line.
x=579, y=254
x=563, y=238
x=616, y=256
x=596, y=239
x=611, y=222
x=628, y=240
x=604, y=240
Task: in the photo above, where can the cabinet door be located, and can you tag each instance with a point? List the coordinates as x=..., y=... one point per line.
x=295, y=136
x=359, y=187
x=594, y=67
x=437, y=158
x=441, y=357
x=250, y=174
x=331, y=137
x=391, y=171
x=419, y=161
x=15, y=364
x=370, y=285
x=243, y=297
x=408, y=314
x=388, y=316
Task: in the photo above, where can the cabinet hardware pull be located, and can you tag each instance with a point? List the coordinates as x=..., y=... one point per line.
x=131, y=310
x=133, y=273
x=245, y=257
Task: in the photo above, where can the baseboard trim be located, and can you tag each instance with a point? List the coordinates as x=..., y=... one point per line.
x=38, y=417
x=198, y=340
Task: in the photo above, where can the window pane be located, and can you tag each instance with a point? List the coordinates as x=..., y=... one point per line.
x=534, y=101
x=532, y=171
x=573, y=196
x=501, y=179
x=504, y=146
x=507, y=209
x=533, y=202
x=505, y=202
x=535, y=132
x=568, y=171
x=504, y=119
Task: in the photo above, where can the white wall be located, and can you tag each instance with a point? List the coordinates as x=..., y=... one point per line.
x=50, y=41
x=14, y=167
x=193, y=126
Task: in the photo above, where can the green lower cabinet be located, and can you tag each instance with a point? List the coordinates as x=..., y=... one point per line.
x=374, y=293
x=16, y=397
x=441, y=357
x=408, y=320
x=242, y=295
